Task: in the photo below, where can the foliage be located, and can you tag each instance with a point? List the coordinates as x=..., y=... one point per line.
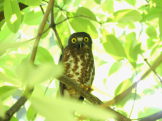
x=124, y=33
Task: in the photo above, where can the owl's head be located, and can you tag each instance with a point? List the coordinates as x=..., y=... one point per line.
x=80, y=40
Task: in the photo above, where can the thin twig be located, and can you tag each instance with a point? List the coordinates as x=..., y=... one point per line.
x=79, y=16
x=121, y=96
x=42, y=9
x=152, y=69
x=134, y=100
x=53, y=26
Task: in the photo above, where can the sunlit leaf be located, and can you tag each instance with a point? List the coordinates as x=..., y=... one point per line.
x=127, y=15
x=115, y=67
x=31, y=2
x=30, y=14
x=6, y=91
x=5, y=46
x=128, y=97
x=136, y=50
x=6, y=35
x=1, y=5
x=130, y=42
x=85, y=12
x=53, y=109
x=31, y=113
x=3, y=109
x=8, y=76
x=160, y=26
x=98, y=1
x=30, y=75
x=14, y=119
x=132, y=2
x=148, y=91
x=151, y=32
x=12, y=14
x=43, y=56
x=123, y=86
x=157, y=2
x=148, y=111
x=151, y=13
x=108, y=5
x=86, y=27
x=114, y=47
x=150, y=42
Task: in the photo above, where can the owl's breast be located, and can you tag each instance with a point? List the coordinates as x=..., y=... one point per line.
x=78, y=67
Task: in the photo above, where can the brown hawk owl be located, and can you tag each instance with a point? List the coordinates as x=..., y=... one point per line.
x=78, y=61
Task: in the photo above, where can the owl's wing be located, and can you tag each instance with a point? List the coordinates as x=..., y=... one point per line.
x=61, y=85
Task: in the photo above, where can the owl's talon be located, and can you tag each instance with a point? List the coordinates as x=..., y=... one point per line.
x=86, y=88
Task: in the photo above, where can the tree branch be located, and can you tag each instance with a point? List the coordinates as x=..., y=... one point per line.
x=21, y=101
x=153, y=117
x=121, y=96
x=153, y=70
x=90, y=97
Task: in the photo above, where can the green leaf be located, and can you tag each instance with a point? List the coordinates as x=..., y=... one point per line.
x=123, y=86
x=43, y=56
x=108, y=5
x=151, y=32
x=160, y=26
x=84, y=25
x=114, y=47
x=30, y=14
x=12, y=14
x=6, y=35
x=148, y=111
x=132, y=48
x=131, y=2
x=130, y=96
x=98, y=1
x=6, y=46
x=130, y=43
x=136, y=50
x=115, y=67
x=148, y=91
x=127, y=15
x=1, y=5
x=30, y=75
x=31, y=2
x=6, y=91
x=48, y=108
x=67, y=1
x=150, y=43
x=3, y=109
x=82, y=11
x=151, y=13
x=31, y=113
x=157, y=2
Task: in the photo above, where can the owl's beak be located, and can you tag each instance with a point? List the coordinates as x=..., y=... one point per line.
x=80, y=41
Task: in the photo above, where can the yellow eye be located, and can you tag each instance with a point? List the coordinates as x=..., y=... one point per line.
x=86, y=39
x=73, y=40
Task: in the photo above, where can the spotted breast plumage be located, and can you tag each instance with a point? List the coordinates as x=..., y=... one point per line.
x=78, y=62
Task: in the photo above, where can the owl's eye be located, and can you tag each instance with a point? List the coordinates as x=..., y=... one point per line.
x=73, y=40
x=86, y=39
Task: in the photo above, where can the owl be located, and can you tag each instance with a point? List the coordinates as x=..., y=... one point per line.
x=78, y=62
